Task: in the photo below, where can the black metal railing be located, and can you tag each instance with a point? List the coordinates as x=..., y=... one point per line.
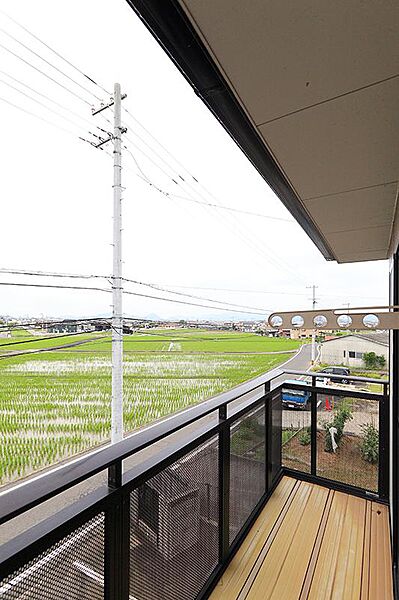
x=167, y=526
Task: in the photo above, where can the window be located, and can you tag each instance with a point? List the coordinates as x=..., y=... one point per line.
x=344, y=353
x=359, y=354
x=352, y=354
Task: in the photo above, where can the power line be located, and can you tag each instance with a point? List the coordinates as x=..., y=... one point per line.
x=107, y=277
x=62, y=106
x=36, y=285
x=51, y=274
x=218, y=289
x=55, y=112
x=278, y=263
x=45, y=74
x=163, y=289
x=54, y=51
x=49, y=63
x=61, y=287
x=28, y=112
x=194, y=304
x=43, y=339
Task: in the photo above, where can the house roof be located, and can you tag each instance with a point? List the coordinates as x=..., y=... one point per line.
x=308, y=90
x=377, y=337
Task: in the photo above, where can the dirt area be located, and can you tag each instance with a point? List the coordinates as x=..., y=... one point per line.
x=346, y=465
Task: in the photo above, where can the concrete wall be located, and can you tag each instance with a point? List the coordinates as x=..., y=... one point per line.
x=336, y=352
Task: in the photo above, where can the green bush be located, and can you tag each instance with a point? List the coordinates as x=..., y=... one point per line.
x=372, y=360
x=342, y=414
x=304, y=436
x=369, y=445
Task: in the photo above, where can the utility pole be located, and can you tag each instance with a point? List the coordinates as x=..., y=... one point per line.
x=117, y=319
x=117, y=315
x=314, y=302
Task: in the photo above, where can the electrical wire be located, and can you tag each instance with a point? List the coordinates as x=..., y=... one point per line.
x=169, y=291
x=45, y=75
x=51, y=274
x=259, y=251
x=61, y=287
x=49, y=63
x=54, y=51
x=62, y=106
x=55, y=112
x=28, y=112
x=193, y=304
x=36, y=285
x=43, y=339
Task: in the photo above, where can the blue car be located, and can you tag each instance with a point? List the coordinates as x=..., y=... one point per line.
x=298, y=399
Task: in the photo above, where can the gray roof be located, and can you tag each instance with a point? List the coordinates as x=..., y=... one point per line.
x=378, y=337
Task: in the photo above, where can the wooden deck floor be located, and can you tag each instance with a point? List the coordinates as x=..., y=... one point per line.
x=311, y=542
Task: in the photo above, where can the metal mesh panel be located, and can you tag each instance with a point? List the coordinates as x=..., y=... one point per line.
x=71, y=569
x=354, y=459
x=247, y=467
x=296, y=422
x=174, y=528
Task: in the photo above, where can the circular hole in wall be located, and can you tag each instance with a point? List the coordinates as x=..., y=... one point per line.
x=276, y=321
x=320, y=321
x=344, y=321
x=297, y=321
x=371, y=321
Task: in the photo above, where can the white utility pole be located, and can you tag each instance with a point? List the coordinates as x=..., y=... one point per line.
x=117, y=318
x=314, y=302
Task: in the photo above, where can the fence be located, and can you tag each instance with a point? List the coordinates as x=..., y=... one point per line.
x=168, y=526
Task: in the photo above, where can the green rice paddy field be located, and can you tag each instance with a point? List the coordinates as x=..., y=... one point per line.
x=56, y=402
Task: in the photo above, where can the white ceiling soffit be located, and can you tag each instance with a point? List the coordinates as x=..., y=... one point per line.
x=319, y=81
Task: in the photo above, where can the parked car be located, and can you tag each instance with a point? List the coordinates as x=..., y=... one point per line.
x=298, y=399
x=321, y=375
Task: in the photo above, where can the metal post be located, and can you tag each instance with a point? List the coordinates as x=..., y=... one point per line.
x=314, y=302
x=224, y=486
x=267, y=437
x=117, y=320
x=313, y=430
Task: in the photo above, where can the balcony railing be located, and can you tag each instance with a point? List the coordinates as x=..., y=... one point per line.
x=183, y=493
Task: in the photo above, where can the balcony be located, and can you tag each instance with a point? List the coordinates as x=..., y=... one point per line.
x=220, y=500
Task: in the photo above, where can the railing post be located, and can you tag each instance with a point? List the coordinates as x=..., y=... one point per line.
x=267, y=437
x=117, y=540
x=384, y=454
x=313, y=429
x=224, y=486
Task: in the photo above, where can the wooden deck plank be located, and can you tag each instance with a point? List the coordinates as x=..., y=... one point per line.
x=364, y=595
x=311, y=543
x=338, y=572
x=282, y=572
x=238, y=570
x=380, y=580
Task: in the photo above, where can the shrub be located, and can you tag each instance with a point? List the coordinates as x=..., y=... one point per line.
x=372, y=360
x=304, y=436
x=341, y=415
x=369, y=445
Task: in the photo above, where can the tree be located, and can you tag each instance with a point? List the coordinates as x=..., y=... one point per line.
x=373, y=361
x=369, y=359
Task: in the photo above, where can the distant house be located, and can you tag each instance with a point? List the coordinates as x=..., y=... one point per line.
x=349, y=349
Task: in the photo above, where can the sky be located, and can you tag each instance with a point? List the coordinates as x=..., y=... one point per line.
x=56, y=190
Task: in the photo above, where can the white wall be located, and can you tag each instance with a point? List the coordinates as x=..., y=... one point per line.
x=332, y=352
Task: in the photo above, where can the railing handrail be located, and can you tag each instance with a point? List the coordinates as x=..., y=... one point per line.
x=26, y=495
x=338, y=377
